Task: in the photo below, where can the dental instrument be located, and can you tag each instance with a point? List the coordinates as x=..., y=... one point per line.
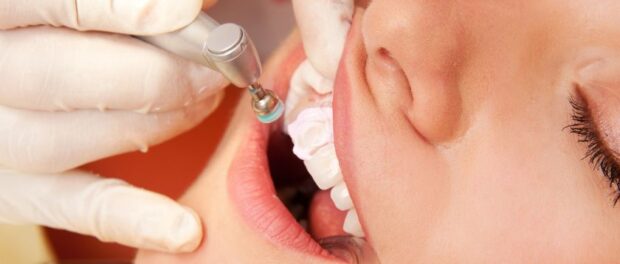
x=226, y=48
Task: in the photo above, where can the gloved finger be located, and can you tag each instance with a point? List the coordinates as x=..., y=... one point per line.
x=108, y=209
x=38, y=141
x=63, y=69
x=307, y=86
x=136, y=17
x=324, y=25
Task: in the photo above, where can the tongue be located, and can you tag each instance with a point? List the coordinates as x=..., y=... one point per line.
x=325, y=219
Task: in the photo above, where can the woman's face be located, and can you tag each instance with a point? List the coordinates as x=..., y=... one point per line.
x=452, y=120
x=453, y=125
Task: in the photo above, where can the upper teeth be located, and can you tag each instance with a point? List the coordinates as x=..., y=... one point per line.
x=312, y=130
x=312, y=135
x=352, y=224
x=340, y=196
x=307, y=88
x=324, y=167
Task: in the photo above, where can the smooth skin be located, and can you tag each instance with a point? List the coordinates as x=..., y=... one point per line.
x=475, y=94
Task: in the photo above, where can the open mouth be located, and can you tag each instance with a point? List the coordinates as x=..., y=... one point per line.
x=277, y=196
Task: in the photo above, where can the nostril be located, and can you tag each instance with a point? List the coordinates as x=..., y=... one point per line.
x=385, y=57
x=427, y=95
x=385, y=53
x=362, y=3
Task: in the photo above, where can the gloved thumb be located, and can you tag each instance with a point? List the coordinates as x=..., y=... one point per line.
x=108, y=209
x=324, y=25
x=143, y=17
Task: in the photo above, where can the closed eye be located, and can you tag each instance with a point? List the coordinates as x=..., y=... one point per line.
x=598, y=154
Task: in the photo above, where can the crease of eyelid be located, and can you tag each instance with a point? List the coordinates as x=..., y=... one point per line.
x=598, y=154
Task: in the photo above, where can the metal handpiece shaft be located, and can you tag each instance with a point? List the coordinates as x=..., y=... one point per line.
x=226, y=48
x=188, y=42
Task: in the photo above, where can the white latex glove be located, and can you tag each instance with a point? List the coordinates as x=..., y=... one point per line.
x=69, y=97
x=324, y=25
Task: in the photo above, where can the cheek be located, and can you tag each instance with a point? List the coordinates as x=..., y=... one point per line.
x=397, y=175
x=518, y=178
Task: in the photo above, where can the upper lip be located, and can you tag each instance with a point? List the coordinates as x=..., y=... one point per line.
x=350, y=74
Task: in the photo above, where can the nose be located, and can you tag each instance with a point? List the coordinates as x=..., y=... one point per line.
x=424, y=40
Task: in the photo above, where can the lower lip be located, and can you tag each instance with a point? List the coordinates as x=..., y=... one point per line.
x=252, y=190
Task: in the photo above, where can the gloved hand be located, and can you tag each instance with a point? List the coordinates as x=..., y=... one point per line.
x=323, y=25
x=69, y=97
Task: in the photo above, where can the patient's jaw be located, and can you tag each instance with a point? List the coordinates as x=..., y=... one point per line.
x=450, y=119
x=450, y=122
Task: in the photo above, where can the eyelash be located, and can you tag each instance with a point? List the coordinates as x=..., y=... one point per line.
x=597, y=153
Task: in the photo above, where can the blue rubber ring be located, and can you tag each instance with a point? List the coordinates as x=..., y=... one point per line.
x=273, y=116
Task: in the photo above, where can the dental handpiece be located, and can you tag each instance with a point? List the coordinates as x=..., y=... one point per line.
x=226, y=48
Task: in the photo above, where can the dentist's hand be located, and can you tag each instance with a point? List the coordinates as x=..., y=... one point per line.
x=324, y=25
x=69, y=97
